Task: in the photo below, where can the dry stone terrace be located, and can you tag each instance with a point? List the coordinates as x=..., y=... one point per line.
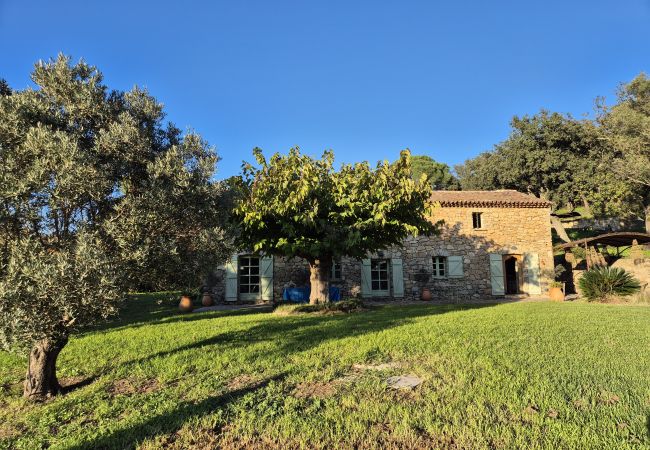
x=491, y=244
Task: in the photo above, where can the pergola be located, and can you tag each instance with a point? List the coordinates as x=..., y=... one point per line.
x=621, y=239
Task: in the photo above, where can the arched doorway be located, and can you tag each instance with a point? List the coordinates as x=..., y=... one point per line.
x=511, y=272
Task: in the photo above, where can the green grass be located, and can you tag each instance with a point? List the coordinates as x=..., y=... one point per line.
x=537, y=375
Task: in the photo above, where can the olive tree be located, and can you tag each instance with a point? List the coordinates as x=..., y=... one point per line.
x=296, y=206
x=98, y=193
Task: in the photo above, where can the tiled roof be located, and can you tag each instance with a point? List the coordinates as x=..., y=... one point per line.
x=501, y=199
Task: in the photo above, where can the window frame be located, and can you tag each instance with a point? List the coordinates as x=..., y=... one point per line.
x=376, y=269
x=336, y=267
x=437, y=261
x=477, y=215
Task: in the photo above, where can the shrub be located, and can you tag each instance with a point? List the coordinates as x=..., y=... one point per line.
x=600, y=283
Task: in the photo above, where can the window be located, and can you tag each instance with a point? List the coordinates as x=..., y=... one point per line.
x=477, y=220
x=336, y=272
x=379, y=276
x=249, y=275
x=439, y=266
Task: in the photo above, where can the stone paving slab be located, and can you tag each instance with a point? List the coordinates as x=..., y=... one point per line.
x=404, y=382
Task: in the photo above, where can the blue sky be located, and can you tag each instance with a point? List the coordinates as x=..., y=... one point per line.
x=364, y=78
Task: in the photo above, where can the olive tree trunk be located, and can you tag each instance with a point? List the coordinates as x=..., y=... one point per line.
x=319, y=280
x=558, y=226
x=41, y=381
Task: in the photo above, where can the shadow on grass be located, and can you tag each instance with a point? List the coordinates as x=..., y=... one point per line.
x=67, y=387
x=291, y=334
x=171, y=421
x=304, y=331
x=160, y=309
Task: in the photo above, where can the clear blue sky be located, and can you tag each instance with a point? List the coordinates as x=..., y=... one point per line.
x=365, y=78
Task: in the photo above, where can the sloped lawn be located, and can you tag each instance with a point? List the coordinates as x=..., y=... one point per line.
x=539, y=375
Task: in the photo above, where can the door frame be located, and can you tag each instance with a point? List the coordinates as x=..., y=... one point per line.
x=519, y=268
x=254, y=295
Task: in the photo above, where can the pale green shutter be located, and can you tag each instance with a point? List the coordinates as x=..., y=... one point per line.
x=455, y=266
x=266, y=278
x=531, y=263
x=366, y=284
x=231, y=279
x=496, y=274
x=398, y=277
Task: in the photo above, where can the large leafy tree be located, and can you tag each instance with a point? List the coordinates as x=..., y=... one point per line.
x=296, y=206
x=626, y=127
x=438, y=174
x=549, y=155
x=97, y=194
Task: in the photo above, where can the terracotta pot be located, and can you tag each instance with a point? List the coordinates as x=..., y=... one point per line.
x=426, y=294
x=207, y=299
x=186, y=304
x=556, y=294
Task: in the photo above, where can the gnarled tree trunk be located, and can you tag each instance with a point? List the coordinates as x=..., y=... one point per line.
x=319, y=279
x=559, y=228
x=41, y=381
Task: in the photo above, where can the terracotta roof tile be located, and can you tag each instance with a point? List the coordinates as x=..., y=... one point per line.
x=506, y=198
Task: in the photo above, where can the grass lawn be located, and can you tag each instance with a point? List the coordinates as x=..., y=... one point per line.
x=538, y=375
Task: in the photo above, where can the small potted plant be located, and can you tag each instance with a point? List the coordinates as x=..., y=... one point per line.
x=555, y=291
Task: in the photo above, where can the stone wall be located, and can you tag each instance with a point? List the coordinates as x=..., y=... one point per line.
x=504, y=231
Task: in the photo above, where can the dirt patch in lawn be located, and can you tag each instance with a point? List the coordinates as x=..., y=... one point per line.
x=128, y=386
x=608, y=398
x=241, y=381
x=315, y=390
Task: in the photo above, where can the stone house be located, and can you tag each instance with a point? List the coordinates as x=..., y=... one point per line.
x=491, y=244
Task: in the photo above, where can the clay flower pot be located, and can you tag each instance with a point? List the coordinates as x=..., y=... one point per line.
x=207, y=299
x=556, y=294
x=185, y=304
x=426, y=294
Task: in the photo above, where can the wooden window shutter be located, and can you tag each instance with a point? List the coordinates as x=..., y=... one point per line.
x=496, y=274
x=532, y=278
x=398, y=277
x=455, y=266
x=231, y=279
x=366, y=285
x=266, y=278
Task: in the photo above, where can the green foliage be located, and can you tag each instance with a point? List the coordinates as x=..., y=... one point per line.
x=438, y=174
x=45, y=293
x=294, y=205
x=603, y=164
x=627, y=128
x=97, y=195
x=601, y=283
x=547, y=155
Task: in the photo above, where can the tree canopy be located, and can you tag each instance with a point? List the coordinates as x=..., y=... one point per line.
x=97, y=194
x=438, y=174
x=602, y=164
x=296, y=206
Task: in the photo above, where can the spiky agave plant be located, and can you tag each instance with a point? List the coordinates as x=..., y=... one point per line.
x=602, y=282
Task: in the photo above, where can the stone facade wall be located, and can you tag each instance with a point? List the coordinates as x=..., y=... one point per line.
x=504, y=231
